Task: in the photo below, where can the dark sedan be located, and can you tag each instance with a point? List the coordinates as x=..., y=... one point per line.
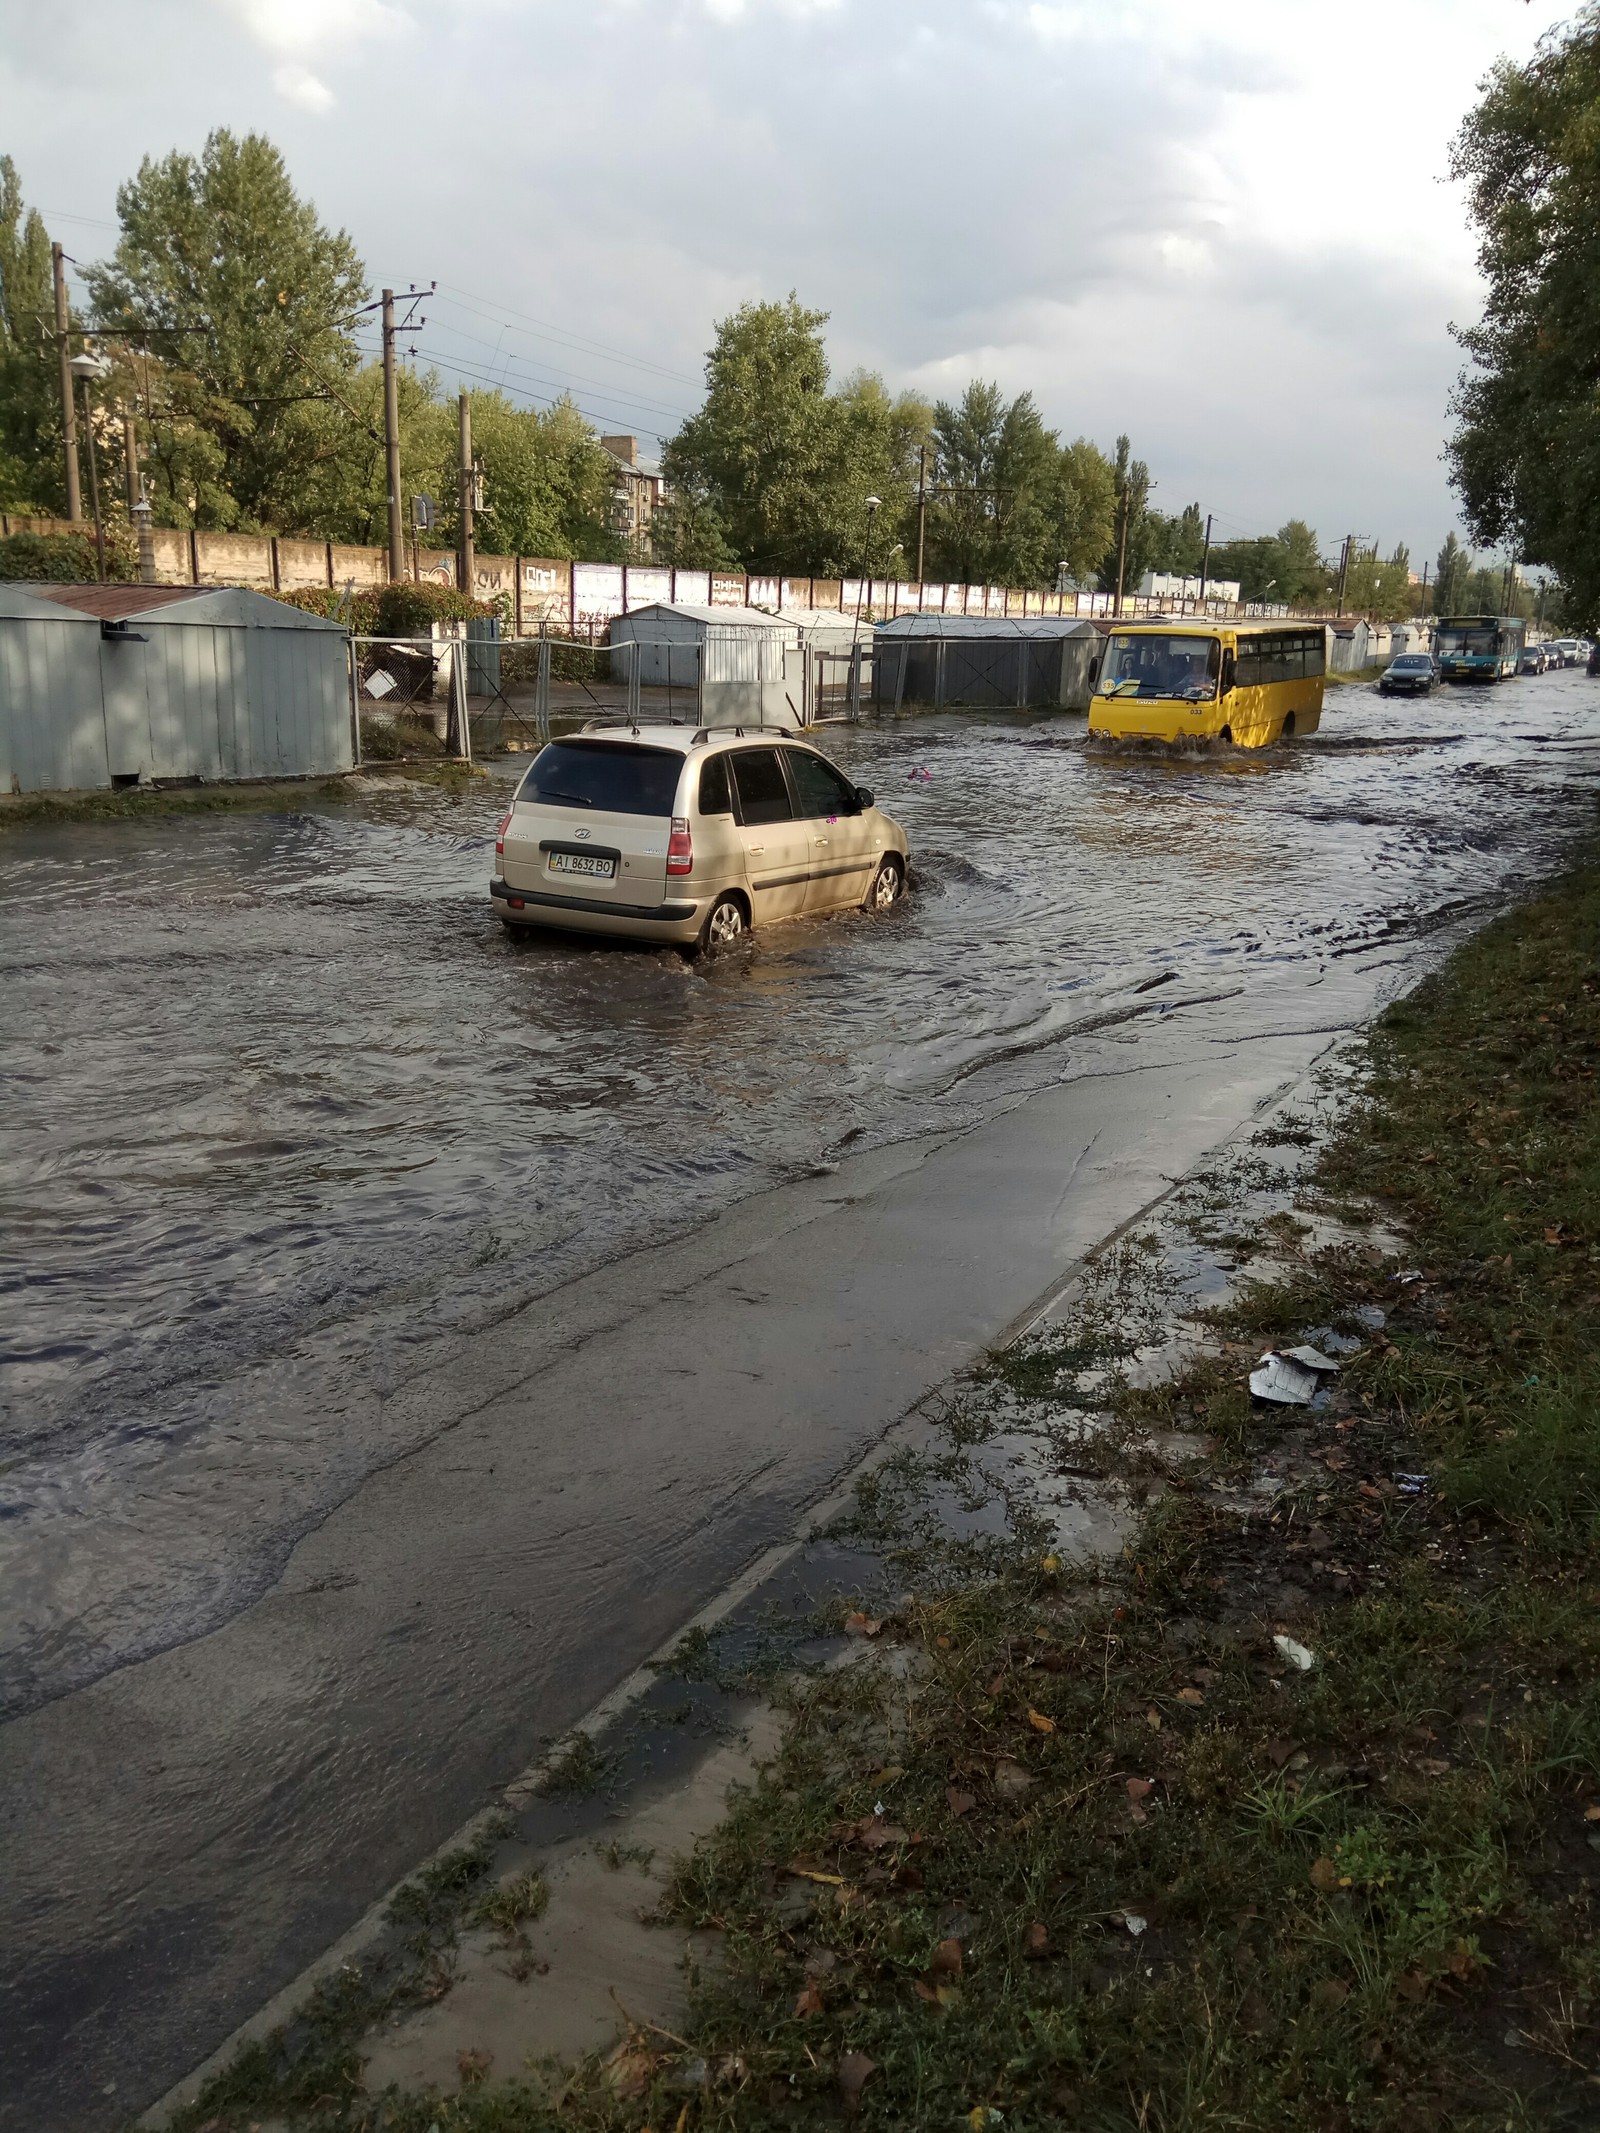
x=1409, y=675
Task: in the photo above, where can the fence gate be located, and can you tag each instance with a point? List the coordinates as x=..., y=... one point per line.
x=403, y=688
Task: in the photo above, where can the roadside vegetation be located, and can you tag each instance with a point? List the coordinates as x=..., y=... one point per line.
x=1289, y=1819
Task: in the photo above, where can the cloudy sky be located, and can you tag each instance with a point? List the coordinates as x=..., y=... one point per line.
x=1228, y=230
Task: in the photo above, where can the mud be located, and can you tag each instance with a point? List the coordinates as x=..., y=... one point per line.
x=322, y=1196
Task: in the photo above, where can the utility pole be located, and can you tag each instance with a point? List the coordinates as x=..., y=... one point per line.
x=130, y=453
x=468, y=483
x=1205, y=561
x=69, y=418
x=1344, y=571
x=391, y=444
x=1122, y=544
x=922, y=507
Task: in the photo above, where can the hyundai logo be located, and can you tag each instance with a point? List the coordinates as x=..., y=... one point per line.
x=580, y=833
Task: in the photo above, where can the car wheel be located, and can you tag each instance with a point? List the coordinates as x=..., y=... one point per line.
x=1287, y=730
x=1226, y=735
x=725, y=926
x=888, y=884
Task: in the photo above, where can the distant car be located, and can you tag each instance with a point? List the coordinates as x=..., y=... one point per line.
x=1565, y=651
x=1534, y=659
x=1594, y=659
x=1409, y=675
x=689, y=835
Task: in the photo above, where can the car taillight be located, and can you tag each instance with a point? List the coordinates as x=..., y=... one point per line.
x=680, y=852
x=500, y=837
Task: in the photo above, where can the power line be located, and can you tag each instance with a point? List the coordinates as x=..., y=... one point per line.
x=485, y=309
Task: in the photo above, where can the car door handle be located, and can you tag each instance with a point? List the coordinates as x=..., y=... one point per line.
x=819, y=840
x=755, y=848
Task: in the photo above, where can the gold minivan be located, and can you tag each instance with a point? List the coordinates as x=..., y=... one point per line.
x=690, y=835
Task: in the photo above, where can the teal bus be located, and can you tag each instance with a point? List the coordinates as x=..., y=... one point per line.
x=1478, y=647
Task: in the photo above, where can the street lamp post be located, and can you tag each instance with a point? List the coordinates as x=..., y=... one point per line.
x=861, y=587
x=83, y=368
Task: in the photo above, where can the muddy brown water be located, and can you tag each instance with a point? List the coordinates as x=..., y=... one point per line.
x=283, y=1100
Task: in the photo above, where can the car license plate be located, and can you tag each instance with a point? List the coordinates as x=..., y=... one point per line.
x=587, y=863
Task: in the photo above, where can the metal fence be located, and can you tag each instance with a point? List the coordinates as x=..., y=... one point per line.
x=408, y=691
x=1012, y=672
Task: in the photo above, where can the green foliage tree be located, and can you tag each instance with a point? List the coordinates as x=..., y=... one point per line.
x=1178, y=544
x=31, y=464
x=776, y=468
x=1525, y=455
x=1000, y=498
x=1285, y=566
x=228, y=277
x=1380, y=588
x=1453, y=572
x=548, y=484
x=1083, y=509
x=1131, y=487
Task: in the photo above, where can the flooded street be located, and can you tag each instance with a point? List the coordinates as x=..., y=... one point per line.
x=288, y=1115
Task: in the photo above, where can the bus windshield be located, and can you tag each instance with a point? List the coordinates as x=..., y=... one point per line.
x=1139, y=665
x=1483, y=639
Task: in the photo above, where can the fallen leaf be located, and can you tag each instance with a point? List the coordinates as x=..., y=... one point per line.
x=1330, y=1992
x=1324, y=1874
x=1152, y=1719
x=1434, y=1766
x=1039, y=1722
x=888, y=1775
x=629, y=2070
x=860, y=1625
x=948, y=1995
x=807, y=1873
x=947, y=1957
x=959, y=1802
x=925, y=1992
x=855, y=2071
x=1461, y=1960
x=809, y=2002
x=943, y=1643
x=472, y=2065
x=1140, y=1789
x=1592, y=1814
x=1412, y=1986
x=1051, y=1566
x=1038, y=1942
x=874, y=1834
x=1194, y=1696
x=1011, y=1781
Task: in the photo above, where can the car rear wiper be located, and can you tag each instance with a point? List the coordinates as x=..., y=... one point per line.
x=576, y=798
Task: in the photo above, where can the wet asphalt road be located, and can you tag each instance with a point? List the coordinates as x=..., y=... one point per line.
x=288, y=1120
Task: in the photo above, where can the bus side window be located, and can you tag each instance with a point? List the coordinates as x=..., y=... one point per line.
x=1227, y=669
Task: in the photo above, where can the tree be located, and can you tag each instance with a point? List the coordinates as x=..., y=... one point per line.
x=245, y=301
x=1130, y=558
x=1177, y=545
x=1525, y=456
x=1453, y=569
x=1378, y=588
x=1002, y=504
x=31, y=463
x=1083, y=509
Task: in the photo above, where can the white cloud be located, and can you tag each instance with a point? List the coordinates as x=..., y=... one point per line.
x=298, y=85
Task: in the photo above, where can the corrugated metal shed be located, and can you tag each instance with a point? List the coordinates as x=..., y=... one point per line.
x=995, y=661
x=104, y=685
x=720, y=644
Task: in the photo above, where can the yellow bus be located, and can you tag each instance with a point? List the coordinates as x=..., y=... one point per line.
x=1245, y=682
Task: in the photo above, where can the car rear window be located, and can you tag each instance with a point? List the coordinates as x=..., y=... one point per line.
x=612, y=777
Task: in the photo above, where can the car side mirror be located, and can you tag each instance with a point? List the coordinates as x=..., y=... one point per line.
x=863, y=797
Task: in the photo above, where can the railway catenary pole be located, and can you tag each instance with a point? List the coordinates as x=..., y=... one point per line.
x=466, y=558
x=391, y=444
x=1205, y=561
x=1344, y=571
x=922, y=507
x=1122, y=542
x=69, y=416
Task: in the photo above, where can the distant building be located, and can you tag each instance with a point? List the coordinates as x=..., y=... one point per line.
x=637, y=492
x=1162, y=585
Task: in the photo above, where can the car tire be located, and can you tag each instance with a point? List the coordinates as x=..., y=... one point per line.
x=726, y=924
x=888, y=884
x=1286, y=730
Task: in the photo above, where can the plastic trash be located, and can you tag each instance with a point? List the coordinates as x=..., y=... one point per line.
x=921, y=775
x=1291, y=1377
x=1296, y=1654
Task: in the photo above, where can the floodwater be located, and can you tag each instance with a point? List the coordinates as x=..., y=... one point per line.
x=279, y=1085
x=284, y=1104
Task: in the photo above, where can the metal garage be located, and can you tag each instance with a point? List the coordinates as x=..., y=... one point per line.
x=111, y=685
x=1041, y=661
